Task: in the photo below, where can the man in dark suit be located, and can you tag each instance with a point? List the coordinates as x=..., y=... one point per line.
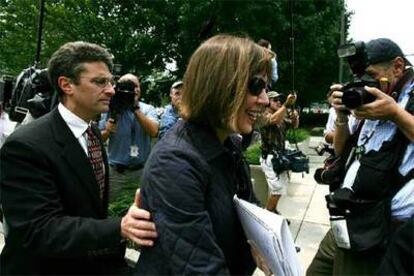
x=54, y=184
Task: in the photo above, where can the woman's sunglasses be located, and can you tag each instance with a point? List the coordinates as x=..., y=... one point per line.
x=256, y=86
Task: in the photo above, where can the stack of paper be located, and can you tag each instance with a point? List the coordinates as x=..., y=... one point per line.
x=271, y=235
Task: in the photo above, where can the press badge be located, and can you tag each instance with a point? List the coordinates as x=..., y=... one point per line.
x=340, y=231
x=134, y=151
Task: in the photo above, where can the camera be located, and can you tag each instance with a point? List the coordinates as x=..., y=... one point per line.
x=43, y=101
x=332, y=172
x=32, y=93
x=324, y=147
x=280, y=162
x=354, y=94
x=123, y=99
x=293, y=160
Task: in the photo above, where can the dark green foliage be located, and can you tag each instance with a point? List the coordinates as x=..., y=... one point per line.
x=297, y=135
x=145, y=35
x=124, y=199
x=120, y=206
x=252, y=154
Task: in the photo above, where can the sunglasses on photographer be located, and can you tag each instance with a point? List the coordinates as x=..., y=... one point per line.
x=256, y=86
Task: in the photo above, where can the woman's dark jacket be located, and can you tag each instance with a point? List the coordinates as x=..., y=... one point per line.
x=188, y=186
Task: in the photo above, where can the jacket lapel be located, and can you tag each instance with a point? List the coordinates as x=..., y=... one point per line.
x=75, y=157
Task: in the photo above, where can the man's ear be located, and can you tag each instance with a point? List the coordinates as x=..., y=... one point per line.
x=65, y=85
x=399, y=66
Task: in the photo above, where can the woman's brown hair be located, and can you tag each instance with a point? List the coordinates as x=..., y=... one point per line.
x=217, y=78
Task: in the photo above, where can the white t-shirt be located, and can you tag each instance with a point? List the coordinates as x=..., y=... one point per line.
x=6, y=127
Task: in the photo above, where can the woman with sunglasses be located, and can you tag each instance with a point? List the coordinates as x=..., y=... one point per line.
x=193, y=173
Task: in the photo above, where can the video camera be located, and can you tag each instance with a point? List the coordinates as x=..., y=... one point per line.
x=32, y=93
x=123, y=99
x=354, y=93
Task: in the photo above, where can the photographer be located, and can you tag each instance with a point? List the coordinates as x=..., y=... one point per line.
x=275, y=75
x=329, y=131
x=376, y=193
x=171, y=111
x=272, y=126
x=129, y=134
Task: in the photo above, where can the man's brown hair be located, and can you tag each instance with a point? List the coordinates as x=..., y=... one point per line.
x=69, y=59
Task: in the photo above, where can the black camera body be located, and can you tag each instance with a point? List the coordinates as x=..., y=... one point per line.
x=290, y=160
x=355, y=94
x=123, y=99
x=332, y=173
x=323, y=148
x=32, y=93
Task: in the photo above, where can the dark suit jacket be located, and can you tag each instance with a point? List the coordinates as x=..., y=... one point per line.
x=57, y=224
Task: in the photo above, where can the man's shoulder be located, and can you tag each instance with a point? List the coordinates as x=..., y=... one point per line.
x=146, y=106
x=36, y=131
x=167, y=108
x=148, y=110
x=168, y=111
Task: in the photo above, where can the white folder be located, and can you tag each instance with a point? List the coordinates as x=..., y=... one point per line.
x=271, y=235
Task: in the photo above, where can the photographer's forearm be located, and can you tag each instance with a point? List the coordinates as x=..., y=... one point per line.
x=150, y=126
x=278, y=116
x=341, y=133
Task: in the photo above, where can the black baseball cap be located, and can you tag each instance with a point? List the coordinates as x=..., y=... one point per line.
x=383, y=49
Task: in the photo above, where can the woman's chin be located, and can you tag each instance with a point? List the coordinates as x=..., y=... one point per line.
x=246, y=129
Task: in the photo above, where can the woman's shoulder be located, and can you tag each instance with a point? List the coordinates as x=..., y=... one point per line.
x=176, y=149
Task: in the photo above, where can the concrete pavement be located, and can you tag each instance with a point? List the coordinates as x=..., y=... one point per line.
x=304, y=206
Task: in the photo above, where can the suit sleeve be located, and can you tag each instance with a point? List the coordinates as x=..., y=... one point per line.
x=35, y=213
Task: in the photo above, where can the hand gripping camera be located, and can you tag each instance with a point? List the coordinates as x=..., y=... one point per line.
x=354, y=92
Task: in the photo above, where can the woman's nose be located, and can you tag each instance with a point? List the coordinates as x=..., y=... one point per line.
x=262, y=98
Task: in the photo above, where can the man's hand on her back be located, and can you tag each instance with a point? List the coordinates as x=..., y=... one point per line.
x=137, y=226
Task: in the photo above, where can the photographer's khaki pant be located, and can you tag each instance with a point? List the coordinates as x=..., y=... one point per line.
x=332, y=260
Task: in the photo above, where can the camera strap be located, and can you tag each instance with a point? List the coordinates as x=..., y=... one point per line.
x=351, y=147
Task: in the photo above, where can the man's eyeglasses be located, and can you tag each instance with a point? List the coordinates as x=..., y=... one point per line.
x=101, y=82
x=256, y=86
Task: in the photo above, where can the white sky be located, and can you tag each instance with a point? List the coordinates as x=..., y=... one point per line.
x=392, y=19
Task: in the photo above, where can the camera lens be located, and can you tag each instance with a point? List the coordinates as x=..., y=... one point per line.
x=318, y=176
x=352, y=98
x=356, y=96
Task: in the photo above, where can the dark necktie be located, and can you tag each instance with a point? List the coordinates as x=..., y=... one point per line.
x=95, y=157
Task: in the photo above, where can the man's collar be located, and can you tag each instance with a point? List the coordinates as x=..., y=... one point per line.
x=77, y=125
